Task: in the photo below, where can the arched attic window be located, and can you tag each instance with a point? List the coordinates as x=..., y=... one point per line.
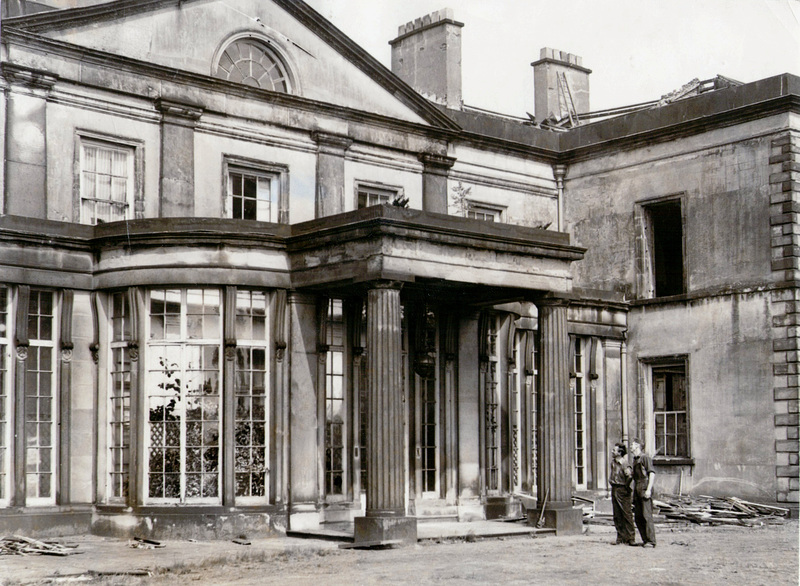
x=252, y=62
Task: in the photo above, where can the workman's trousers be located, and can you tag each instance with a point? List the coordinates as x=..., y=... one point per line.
x=623, y=514
x=643, y=513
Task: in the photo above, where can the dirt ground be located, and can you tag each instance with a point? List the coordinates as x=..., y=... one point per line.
x=686, y=554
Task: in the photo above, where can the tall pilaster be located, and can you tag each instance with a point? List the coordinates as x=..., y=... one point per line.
x=330, y=173
x=434, y=181
x=385, y=515
x=555, y=426
x=304, y=482
x=177, y=158
x=25, y=141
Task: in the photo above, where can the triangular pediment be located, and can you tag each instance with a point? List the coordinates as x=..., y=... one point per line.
x=190, y=35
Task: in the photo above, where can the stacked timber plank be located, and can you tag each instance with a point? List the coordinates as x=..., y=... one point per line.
x=18, y=545
x=718, y=511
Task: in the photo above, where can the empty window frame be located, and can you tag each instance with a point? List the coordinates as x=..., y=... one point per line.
x=670, y=411
x=368, y=194
x=107, y=186
x=664, y=250
x=485, y=212
x=256, y=191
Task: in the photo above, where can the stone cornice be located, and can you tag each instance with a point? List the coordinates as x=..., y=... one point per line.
x=181, y=79
x=28, y=77
x=296, y=8
x=389, y=220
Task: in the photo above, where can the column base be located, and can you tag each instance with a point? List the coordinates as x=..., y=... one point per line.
x=370, y=531
x=565, y=520
x=303, y=517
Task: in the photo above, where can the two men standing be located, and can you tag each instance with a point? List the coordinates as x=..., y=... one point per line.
x=643, y=476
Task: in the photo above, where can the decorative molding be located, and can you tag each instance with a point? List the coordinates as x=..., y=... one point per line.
x=35, y=79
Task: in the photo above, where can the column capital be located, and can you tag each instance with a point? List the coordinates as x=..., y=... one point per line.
x=179, y=112
x=334, y=144
x=386, y=285
x=436, y=163
x=552, y=301
x=32, y=78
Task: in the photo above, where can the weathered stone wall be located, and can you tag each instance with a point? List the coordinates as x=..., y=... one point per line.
x=736, y=301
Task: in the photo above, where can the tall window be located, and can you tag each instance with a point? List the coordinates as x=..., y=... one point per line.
x=252, y=63
x=183, y=396
x=335, y=413
x=119, y=399
x=5, y=326
x=670, y=410
x=40, y=400
x=106, y=183
x=371, y=195
x=579, y=399
x=660, y=248
x=252, y=195
x=252, y=406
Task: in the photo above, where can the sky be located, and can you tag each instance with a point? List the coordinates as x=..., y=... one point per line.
x=638, y=50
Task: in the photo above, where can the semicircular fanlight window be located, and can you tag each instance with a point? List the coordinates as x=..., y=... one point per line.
x=251, y=63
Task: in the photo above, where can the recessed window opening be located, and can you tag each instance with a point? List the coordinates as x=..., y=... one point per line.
x=667, y=241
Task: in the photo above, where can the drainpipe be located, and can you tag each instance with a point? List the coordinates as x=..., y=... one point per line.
x=624, y=389
x=559, y=171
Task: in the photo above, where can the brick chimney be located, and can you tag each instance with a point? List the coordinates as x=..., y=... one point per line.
x=427, y=55
x=546, y=72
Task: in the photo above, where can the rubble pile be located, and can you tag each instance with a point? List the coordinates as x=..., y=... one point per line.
x=18, y=545
x=718, y=511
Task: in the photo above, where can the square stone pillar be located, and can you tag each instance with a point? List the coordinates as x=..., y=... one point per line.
x=304, y=482
x=25, y=140
x=385, y=519
x=177, y=158
x=330, y=173
x=434, y=181
x=556, y=435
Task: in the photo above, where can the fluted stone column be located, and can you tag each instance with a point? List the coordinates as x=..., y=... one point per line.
x=556, y=433
x=385, y=518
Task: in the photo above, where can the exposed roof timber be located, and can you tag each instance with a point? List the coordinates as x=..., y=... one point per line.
x=310, y=18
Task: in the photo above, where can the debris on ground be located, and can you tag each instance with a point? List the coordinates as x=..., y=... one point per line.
x=142, y=543
x=717, y=510
x=19, y=545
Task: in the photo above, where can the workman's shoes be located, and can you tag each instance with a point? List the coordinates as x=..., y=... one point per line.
x=649, y=544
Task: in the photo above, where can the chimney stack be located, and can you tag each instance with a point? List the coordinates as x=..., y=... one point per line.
x=551, y=65
x=427, y=55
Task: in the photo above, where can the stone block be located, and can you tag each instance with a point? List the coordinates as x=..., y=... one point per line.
x=787, y=471
x=787, y=446
x=794, y=459
x=566, y=521
x=376, y=530
x=785, y=263
x=786, y=393
x=788, y=420
x=792, y=433
x=780, y=369
x=785, y=345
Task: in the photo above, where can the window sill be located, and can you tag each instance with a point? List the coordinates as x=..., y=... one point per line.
x=673, y=461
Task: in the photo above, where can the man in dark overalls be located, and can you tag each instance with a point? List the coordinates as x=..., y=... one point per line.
x=644, y=477
x=620, y=480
